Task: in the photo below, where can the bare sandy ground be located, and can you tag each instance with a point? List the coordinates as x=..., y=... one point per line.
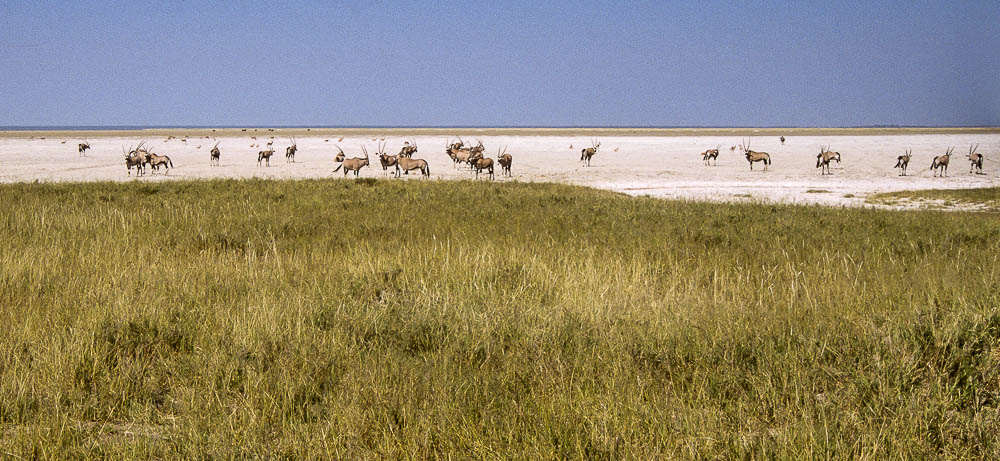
x=666, y=163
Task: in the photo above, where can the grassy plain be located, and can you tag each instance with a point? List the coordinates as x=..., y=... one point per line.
x=417, y=319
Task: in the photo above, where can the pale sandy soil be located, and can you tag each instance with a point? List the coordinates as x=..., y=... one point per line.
x=663, y=164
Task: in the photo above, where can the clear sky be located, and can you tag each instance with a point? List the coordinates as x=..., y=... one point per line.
x=551, y=63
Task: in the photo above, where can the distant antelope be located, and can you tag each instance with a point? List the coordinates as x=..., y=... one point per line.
x=976, y=159
x=824, y=158
x=133, y=159
x=903, y=161
x=215, y=154
x=340, y=139
x=709, y=155
x=782, y=140
x=504, y=159
x=407, y=165
x=408, y=149
x=156, y=161
x=732, y=149
x=476, y=153
x=570, y=147
x=483, y=163
x=458, y=153
x=81, y=149
x=265, y=156
x=756, y=156
x=589, y=152
x=354, y=164
x=386, y=160
x=290, y=152
x=940, y=163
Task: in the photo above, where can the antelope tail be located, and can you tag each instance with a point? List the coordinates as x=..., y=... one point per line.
x=171, y=162
x=338, y=168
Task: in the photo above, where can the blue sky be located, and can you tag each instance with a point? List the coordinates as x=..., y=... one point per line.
x=550, y=63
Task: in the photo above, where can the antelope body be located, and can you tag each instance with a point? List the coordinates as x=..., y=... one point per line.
x=940, y=163
x=504, y=159
x=483, y=163
x=709, y=155
x=589, y=152
x=903, y=161
x=81, y=149
x=290, y=152
x=407, y=165
x=354, y=164
x=265, y=156
x=824, y=158
x=156, y=161
x=215, y=154
x=408, y=149
x=976, y=159
x=753, y=156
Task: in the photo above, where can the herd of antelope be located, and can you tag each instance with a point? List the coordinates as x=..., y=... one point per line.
x=939, y=165
x=474, y=156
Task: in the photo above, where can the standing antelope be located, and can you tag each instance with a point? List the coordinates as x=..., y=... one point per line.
x=81, y=149
x=387, y=160
x=215, y=154
x=483, y=163
x=504, y=159
x=756, y=156
x=976, y=159
x=155, y=161
x=354, y=164
x=408, y=149
x=940, y=163
x=709, y=155
x=476, y=153
x=459, y=153
x=265, y=156
x=589, y=152
x=133, y=159
x=825, y=157
x=782, y=140
x=290, y=152
x=903, y=161
x=407, y=164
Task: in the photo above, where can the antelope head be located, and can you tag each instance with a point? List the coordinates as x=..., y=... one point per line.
x=972, y=150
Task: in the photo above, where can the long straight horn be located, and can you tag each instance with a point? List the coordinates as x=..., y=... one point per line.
x=364, y=150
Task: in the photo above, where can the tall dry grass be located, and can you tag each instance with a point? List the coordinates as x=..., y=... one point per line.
x=367, y=319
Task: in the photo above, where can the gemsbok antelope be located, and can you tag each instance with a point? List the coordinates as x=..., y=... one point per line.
x=387, y=160
x=824, y=158
x=290, y=151
x=156, y=161
x=589, y=152
x=976, y=159
x=940, y=163
x=81, y=149
x=215, y=155
x=265, y=156
x=753, y=156
x=709, y=155
x=408, y=149
x=504, y=159
x=483, y=163
x=354, y=164
x=903, y=161
x=407, y=164
x=133, y=159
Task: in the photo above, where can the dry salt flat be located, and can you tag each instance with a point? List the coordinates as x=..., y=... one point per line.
x=659, y=166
